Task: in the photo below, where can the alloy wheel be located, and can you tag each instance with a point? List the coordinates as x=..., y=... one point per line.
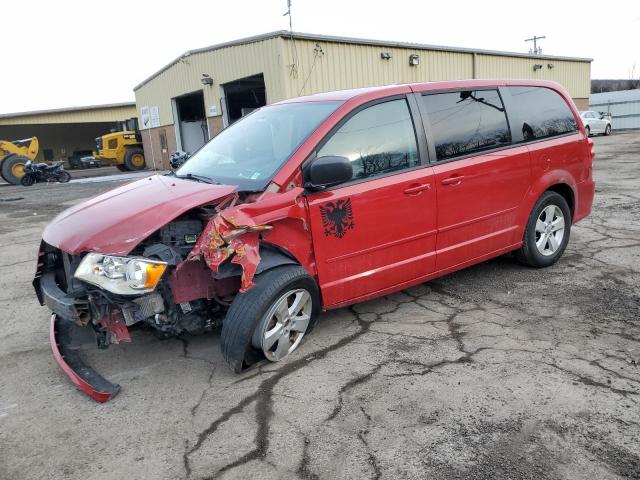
x=281, y=329
x=550, y=230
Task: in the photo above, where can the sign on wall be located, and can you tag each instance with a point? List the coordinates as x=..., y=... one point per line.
x=150, y=116
x=145, y=120
x=154, y=113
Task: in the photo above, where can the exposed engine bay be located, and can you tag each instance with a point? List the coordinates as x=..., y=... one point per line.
x=181, y=278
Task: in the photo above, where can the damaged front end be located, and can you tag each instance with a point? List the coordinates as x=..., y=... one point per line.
x=181, y=278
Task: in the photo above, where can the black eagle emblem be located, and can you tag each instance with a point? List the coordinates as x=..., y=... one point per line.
x=337, y=217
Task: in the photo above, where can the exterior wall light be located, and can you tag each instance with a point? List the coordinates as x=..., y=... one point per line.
x=537, y=66
x=550, y=66
x=206, y=79
x=414, y=60
x=385, y=55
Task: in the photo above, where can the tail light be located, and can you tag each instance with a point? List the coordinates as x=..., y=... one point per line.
x=589, y=159
x=592, y=152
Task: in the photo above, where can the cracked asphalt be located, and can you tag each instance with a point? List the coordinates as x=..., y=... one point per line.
x=495, y=372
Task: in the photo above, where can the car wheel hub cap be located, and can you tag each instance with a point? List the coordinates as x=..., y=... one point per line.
x=281, y=329
x=550, y=227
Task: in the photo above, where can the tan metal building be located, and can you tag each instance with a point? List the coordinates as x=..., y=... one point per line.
x=196, y=95
x=65, y=132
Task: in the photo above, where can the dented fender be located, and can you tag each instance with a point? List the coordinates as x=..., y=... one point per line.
x=236, y=232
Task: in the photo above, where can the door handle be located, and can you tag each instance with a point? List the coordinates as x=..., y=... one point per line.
x=453, y=180
x=417, y=188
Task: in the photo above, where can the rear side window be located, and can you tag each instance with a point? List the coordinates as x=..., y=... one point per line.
x=377, y=140
x=542, y=111
x=466, y=122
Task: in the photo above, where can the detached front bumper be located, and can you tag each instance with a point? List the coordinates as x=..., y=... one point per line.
x=52, y=296
x=85, y=378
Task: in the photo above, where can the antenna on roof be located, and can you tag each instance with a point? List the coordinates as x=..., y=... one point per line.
x=288, y=12
x=536, y=50
x=294, y=52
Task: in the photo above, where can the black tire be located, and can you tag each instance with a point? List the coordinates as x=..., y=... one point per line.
x=8, y=164
x=529, y=254
x=248, y=309
x=63, y=177
x=122, y=168
x=27, y=180
x=607, y=131
x=130, y=159
x=588, y=130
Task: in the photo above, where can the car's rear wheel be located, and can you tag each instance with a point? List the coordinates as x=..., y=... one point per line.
x=547, y=232
x=607, y=131
x=271, y=319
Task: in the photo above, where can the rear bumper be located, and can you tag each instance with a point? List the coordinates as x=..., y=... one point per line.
x=586, y=192
x=85, y=378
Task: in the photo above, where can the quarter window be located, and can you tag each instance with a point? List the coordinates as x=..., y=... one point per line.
x=377, y=140
x=466, y=122
x=542, y=112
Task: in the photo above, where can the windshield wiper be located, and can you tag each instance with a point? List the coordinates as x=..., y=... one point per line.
x=199, y=178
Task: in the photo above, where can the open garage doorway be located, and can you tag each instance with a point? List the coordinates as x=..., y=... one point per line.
x=244, y=95
x=191, y=125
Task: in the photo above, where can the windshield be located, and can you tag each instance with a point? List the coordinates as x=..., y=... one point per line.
x=250, y=152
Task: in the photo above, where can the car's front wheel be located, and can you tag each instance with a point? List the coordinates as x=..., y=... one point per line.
x=547, y=232
x=270, y=319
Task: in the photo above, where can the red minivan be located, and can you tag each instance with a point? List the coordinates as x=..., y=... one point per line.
x=315, y=203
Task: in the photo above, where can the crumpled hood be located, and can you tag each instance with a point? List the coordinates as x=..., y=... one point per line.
x=116, y=221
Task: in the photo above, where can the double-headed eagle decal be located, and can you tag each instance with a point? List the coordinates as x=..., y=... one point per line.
x=337, y=218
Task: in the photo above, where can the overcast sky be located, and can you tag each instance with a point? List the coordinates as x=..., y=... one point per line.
x=65, y=53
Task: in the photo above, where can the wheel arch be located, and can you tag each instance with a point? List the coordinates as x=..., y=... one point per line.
x=559, y=181
x=567, y=193
x=272, y=256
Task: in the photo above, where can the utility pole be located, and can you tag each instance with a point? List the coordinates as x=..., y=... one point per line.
x=536, y=50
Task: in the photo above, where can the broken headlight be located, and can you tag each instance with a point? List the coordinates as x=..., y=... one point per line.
x=121, y=275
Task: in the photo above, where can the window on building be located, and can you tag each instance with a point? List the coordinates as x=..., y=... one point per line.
x=466, y=122
x=377, y=140
x=543, y=112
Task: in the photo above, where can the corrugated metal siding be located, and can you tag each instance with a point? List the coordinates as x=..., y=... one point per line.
x=111, y=114
x=223, y=66
x=339, y=65
x=342, y=66
x=574, y=76
x=624, y=107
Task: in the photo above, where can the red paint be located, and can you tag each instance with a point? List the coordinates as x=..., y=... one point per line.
x=393, y=239
x=115, y=327
x=409, y=227
x=75, y=378
x=478, y=199
x=116, y=221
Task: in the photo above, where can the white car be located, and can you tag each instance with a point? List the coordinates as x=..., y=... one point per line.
x=595, y=122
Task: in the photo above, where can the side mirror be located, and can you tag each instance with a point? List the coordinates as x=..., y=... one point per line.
x=328, y=171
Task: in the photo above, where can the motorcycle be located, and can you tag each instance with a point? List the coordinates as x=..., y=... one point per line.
x=41, y=172
x=178, y=158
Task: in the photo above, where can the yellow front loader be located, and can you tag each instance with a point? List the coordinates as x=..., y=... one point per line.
x=122, y=149
x=13, y=156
